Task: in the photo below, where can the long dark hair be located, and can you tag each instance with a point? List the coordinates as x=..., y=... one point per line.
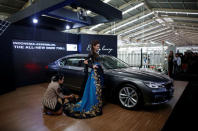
x=94, y=43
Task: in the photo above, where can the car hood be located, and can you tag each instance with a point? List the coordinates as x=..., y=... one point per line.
x=141, y=74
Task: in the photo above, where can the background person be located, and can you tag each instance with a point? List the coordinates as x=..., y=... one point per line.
x=170, y=63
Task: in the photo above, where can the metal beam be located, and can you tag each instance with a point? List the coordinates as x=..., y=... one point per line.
x=48, y=6
x=142, y=31
x=125, y=21
x=185, y=27
x=5, y=14
x=136, y=26
x=101, y=8
x=184, y=38
x=169, y=38
x=174, y=2
x=187, y=30
x=170, y=4
x=183, y=5
x=193, y=36
x=156, y=15
x=127, y=4
x=173, y=10
x=162, y=36
x=157, y=35
x=152, y=33
x=158, y=3
x=21, y=1
x=184, y=24
x=37, y=8
x=13, y=8
x=182, y=18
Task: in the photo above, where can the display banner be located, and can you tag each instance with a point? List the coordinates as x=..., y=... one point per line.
x=32, y=57
x=108, y=43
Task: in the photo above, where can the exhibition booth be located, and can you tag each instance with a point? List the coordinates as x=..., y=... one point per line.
x=28, y=50
x=119, y=61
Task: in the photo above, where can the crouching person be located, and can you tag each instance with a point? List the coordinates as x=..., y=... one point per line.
x=53, y=96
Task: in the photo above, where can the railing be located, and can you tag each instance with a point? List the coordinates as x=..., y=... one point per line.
x=152, y=60
x=3, y=26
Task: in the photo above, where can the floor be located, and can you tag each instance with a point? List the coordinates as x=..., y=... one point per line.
x=20, y=110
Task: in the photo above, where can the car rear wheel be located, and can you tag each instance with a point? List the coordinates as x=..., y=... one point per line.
x=129, y=97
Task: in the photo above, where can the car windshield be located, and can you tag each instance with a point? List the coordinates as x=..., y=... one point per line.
x=110, y=62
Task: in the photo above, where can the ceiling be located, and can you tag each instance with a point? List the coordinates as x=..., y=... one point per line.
x=144, y=21
x=59, y=15
x=154, y=22
x=9, y=7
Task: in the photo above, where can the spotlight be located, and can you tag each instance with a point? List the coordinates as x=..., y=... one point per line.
x=35, y=21
x=67, y=27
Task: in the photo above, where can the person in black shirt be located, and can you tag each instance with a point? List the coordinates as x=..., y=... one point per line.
x=170, y=64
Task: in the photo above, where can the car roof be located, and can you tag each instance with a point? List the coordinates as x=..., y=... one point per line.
x=79, y=55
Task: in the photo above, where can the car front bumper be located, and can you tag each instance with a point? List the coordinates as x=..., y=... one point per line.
x=160, y=96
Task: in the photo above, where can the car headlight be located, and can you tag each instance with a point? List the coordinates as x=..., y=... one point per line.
x=154, y=84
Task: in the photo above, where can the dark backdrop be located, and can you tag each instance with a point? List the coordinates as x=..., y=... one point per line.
x=6, y=66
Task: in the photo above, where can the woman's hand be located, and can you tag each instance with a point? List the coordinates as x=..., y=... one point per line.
x=70, y=96
x=95, y=66
x=86, y=62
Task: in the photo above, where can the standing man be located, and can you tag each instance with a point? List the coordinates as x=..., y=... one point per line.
x=170, y=64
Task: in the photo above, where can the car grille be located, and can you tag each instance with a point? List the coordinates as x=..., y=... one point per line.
x=168, y=85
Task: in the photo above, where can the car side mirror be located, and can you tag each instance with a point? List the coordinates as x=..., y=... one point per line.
x=81, y=63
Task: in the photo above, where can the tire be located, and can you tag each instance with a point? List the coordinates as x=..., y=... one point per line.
x=129, y=97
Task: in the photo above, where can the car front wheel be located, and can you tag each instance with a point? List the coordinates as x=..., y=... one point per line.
x=129, y=97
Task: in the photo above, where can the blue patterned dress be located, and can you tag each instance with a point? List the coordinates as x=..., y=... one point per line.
x=91, y=102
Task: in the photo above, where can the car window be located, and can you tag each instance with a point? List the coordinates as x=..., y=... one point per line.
x=110, y=62
x=73, y=61
x=62, y=62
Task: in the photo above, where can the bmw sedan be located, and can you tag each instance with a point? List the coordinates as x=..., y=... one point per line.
x=130, y=87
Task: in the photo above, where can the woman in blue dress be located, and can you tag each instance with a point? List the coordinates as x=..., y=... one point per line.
x=91, y=103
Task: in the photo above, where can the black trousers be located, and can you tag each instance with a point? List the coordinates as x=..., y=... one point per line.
x=57, y=107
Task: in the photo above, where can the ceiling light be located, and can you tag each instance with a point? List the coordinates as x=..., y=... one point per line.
x=35, y=21
x=67, y=27
x=164, y=15
x=176, y=33
x=106, y=1
x=169, y=43
x=168, y=19
x=96, y=26
x=174, y=12
x=153, y=32
x=88, y=12
x=144, y=16
x=144, y=31
x=137, y=28
x=151, y=37
x=154, y=43
x=133, y=8
x=159, y=21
